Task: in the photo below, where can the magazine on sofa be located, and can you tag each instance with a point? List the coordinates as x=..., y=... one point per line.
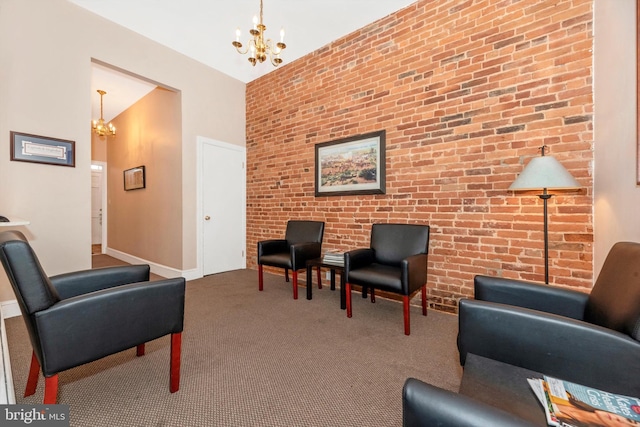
x=567, y=404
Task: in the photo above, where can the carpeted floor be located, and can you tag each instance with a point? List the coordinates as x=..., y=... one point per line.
x=254, y=358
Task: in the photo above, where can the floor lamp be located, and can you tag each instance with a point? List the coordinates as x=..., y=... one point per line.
x=544, y=173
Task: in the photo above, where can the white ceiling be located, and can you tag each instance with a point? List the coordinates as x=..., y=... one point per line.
x=204, y=30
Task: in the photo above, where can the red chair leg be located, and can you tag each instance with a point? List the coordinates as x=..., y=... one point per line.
x=140, y=350
x=34, y=373
x=294, y=273
x=176, y=345
x=51, y=389
x=424, y=300
x=373, y=295
x=319, y=279
x=348, y=297
x=259, y=277
x=405, y=306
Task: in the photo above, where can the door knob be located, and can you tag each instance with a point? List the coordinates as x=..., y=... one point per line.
x=207, y=218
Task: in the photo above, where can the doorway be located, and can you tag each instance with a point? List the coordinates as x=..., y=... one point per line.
x=223, y=201
x=98, y=207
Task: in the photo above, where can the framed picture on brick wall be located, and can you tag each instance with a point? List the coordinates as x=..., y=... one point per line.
x=354, y=165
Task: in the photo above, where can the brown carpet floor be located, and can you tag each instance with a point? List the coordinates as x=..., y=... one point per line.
x=254, y=358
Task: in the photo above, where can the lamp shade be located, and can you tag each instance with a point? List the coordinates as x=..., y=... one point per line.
x=544, y=172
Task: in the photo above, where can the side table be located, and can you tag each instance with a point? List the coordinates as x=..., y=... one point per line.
x=319, y=263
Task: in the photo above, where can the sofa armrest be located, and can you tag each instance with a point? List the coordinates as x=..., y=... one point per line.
x=414, y=272
x=77, y=283
x=88, y=327
x=427, y=405
x=302, y=252
x=274, y=246
x=553, y=345
x=357, y=258
x=564, y=302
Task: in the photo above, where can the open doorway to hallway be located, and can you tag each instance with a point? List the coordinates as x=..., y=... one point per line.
x=98, y=207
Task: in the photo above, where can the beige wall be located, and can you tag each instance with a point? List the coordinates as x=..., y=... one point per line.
x=148, y=135
x=617, y=197
x=98, y=148
x=46, y=47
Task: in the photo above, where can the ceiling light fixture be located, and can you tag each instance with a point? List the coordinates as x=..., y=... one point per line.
x=259, y=48
x=99, y=126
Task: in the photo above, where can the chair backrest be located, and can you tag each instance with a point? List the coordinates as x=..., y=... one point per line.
x=614, y=301
x=304, y=232
x=31, y=285
x=394, y=242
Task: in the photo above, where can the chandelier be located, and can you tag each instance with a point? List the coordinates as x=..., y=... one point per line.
x=258, y=48
x=99, y=127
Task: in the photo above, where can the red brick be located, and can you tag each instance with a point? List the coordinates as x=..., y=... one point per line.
x=435, y=82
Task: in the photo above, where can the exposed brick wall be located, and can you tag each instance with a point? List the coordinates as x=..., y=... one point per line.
x=467, y=92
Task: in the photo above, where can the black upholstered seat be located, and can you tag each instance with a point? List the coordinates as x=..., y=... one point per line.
x=587, y=338
x=395, y=262
x=302, y=242
x=591, y=339
x=76, y=318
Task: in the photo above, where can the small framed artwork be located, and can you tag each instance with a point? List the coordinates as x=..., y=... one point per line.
x=349, y=166
x=134, y=178
x=42, y=149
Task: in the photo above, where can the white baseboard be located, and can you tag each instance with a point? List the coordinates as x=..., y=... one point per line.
x=159, y=269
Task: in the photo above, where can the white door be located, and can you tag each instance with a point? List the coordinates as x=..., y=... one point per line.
x=96, y=206
x=223, y=207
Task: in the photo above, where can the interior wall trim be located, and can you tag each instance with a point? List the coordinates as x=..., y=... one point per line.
x=159, y=269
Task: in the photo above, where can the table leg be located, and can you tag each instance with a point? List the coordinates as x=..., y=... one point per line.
x=343, y=292
x=309, y=286
x=333, y=279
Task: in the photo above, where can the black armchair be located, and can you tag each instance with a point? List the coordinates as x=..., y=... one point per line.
x=425, y=405
x=396, y=262
x=302, y=242
x=591, y=339
x=80, y=317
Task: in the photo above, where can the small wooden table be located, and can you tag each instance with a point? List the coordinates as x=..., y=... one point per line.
x=319, y=263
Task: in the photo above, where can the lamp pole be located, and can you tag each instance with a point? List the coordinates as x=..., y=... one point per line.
x=545, y=197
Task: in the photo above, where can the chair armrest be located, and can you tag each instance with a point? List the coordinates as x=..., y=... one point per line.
x=88, y=327
x=302, y=252
x=550, y=344
x=81, y=282
x=268, y=247
x=426, y=405
x=414, y=272
x=564, y=302
x=357, y=258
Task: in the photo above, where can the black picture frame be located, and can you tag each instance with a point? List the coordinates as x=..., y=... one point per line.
x=26, y=147
x=134, y=178
x=351, y=166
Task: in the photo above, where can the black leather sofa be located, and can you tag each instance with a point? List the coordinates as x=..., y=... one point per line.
x=591, y=339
